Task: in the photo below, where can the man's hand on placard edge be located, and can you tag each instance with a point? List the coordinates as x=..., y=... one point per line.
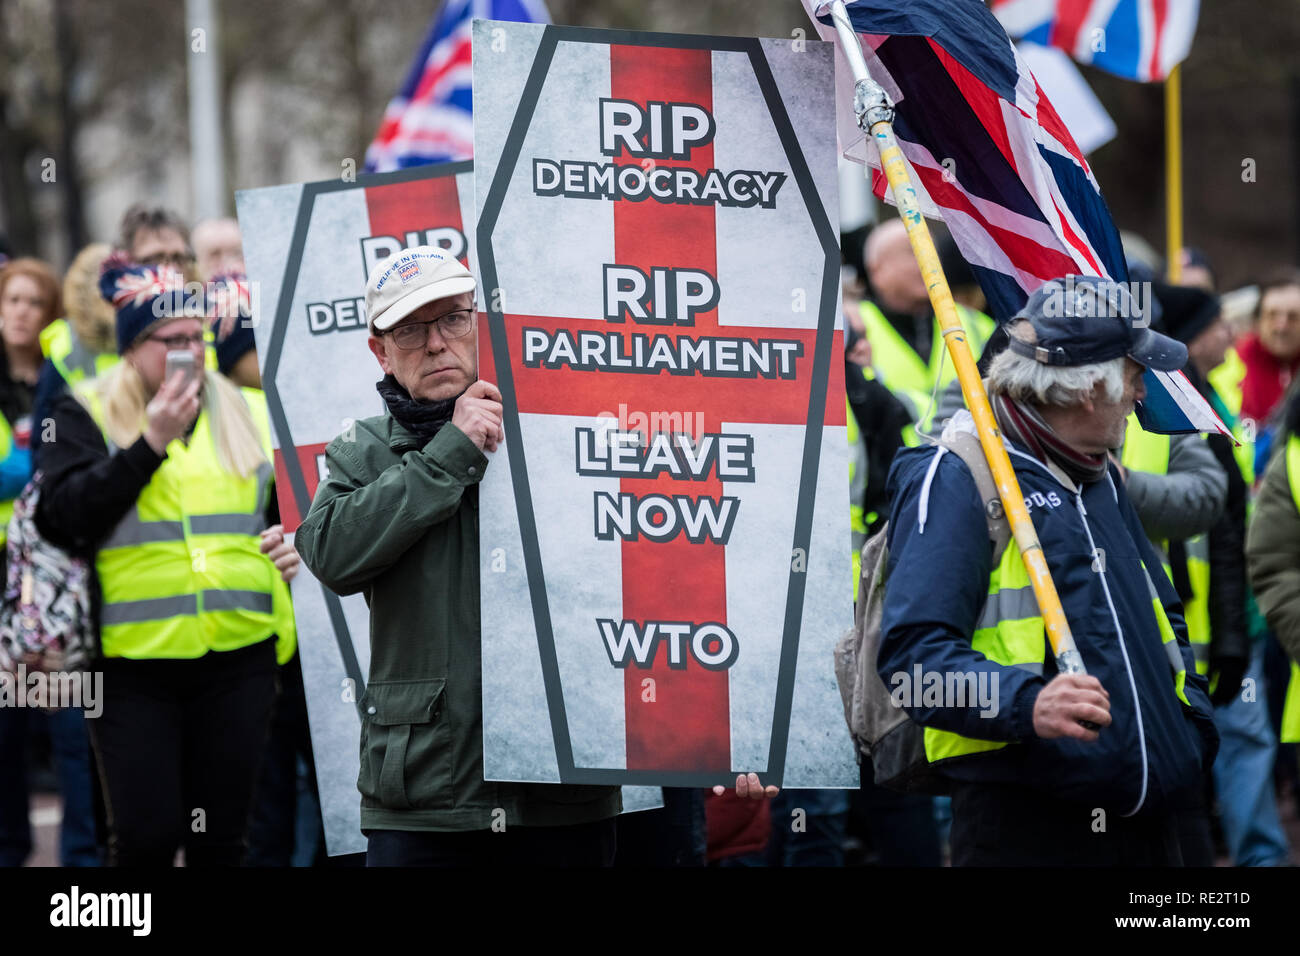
x=748, y=787
x=478, y=415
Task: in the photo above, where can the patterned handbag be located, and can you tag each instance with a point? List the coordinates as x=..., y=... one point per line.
x=46, y=608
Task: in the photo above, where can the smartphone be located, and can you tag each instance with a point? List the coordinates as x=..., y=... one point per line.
x=181, y=360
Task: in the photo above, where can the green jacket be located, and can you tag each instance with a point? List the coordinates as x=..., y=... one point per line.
x=1273, y=551
x=397, y=520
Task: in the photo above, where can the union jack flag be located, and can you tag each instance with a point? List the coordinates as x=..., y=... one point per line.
x=136, y=284
x=990, y=157
x=430, y=120
x=228, y=300
x=1136, y=39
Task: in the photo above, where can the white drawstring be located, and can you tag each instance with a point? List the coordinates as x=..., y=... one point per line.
x=923, y=509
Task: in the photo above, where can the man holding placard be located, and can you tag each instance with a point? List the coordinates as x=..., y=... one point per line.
x=397, y=519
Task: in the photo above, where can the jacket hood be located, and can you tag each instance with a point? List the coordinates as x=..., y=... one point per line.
x=91, y=317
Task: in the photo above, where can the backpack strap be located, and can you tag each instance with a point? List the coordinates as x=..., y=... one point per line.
x=967, y=447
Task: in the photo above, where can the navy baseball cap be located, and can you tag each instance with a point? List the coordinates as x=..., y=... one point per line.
x=1080, y=320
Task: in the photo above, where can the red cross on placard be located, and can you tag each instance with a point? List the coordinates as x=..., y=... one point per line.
x=687, y=726
x=393, y=209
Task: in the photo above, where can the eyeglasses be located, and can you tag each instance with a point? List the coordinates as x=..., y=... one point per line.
x=180, y=341
x=177, y=259
x=453, y=325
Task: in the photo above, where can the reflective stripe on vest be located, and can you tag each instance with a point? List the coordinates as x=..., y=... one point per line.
x=156, y=609
x=1170, y=641
x=1010, y=631
x=1196, y=610
x=182, y=573
x=132, y=530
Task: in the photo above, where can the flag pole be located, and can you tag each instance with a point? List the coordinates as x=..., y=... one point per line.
x=1174, y=174
x=875, y=116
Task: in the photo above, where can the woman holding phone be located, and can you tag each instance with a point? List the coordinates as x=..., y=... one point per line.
x=161, y=472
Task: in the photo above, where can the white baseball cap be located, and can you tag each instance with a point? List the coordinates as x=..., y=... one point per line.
x=410, y=278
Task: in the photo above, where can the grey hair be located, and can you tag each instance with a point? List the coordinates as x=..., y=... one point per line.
x=1026, y=380
x=141, y=216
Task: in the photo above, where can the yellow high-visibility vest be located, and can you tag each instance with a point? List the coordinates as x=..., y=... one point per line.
x=897, y=364
x=1148, y=452
x=1226, y=380
x=182, y=573
x=75, y=362
x=857, y=491
x=7, y=505
x=1010, y=631
x=1291, y=709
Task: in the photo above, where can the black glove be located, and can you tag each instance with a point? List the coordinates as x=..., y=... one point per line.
x=1230, y=670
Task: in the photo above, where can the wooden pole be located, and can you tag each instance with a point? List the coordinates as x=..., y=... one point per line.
x=1174, y=174
x=875, y=116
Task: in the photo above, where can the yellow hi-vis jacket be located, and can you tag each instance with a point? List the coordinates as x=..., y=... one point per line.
x=897, y=364
x=1148, y=452
x=1011, y=631
x=1291, y=709
x=1226, y=380
x=183, y=573
x=75, y=362
x=857, y=492
x=7, y=505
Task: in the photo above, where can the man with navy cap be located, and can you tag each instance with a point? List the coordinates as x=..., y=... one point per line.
x=1063, y=769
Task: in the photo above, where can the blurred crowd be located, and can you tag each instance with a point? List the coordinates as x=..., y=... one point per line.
x=1229, y=561
x=82, y=364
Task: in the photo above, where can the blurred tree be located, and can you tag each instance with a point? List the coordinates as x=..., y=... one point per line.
x=1240, y=152
x=26, y=104
x=68, y=54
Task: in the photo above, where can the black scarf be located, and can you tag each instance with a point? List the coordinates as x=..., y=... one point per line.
x=1023, y=425
x=422, y=418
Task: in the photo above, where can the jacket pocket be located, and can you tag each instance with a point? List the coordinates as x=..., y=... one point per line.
x=406, y=745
